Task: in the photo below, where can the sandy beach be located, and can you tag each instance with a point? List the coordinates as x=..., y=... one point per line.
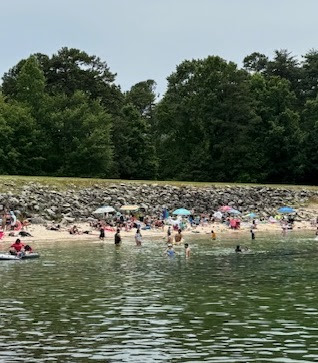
x=41, y=234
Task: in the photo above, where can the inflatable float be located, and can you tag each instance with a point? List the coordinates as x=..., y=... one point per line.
x=8, y=256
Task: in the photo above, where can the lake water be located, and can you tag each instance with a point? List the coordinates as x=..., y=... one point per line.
x=93, y=302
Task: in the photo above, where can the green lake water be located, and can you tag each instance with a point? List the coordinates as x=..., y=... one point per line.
x=93, y=302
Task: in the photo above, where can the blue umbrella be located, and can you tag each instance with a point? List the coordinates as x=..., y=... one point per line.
x=181, y=212
x=234, y=211
x=285, y=210
x=251, y=215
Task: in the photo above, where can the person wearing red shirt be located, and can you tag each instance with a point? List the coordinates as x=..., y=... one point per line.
x=16, y=247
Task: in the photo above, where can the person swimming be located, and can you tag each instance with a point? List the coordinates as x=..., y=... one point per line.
x=240, y=249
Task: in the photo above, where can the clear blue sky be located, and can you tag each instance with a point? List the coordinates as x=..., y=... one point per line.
x=142, y=39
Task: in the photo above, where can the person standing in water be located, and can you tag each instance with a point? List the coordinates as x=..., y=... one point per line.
x=178, y=237
x=138, y=237
x=187, y=250
x=117, y=237
x=101, y=233
x=169, y=236
x=213, y=235
x=170, y=251
x=252, y=234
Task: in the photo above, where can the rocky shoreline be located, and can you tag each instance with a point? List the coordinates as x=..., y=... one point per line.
x=44, y=203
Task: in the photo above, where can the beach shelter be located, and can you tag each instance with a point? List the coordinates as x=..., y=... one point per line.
x=129, y=208
x=286, y=210
x=104, y=210
x=182, y=212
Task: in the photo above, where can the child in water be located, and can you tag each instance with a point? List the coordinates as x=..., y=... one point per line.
x=213, y=235
x=170, y=251
x=187, y=250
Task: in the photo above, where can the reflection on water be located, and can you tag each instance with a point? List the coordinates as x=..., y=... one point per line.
x=86, y=301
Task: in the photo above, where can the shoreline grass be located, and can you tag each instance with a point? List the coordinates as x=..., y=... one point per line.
x=18, y=181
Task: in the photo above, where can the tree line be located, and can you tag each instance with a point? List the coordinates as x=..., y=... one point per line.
x=64, y=115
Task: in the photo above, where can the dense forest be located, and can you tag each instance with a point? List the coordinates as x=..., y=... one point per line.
x=65, y=115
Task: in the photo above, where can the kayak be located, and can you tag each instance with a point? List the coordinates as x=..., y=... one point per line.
x=7, y=256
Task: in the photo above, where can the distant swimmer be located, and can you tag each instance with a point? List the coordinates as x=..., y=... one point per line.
x=187, y=250
x=213, y=235
x=240, y=249
x=170, y=251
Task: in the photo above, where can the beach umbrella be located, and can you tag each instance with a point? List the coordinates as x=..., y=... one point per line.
x=251, y=215
x=286, y=210
x=129, y=207
x=105, y=209
x=217, y=215
x=182, y=212
x=225, y=208
x=234, y=211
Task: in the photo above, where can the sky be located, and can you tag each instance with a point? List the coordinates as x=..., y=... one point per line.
x=147, y=39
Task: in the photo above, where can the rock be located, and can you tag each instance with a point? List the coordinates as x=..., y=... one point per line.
x=50, y=212
x=68, y=219
x=37, y=220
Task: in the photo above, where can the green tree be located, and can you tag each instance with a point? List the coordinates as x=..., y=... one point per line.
x=310, y=145
x=142, y=96
x=203, y=123
x=309, y=79
x=279, y=136
x=134, y=147
x=18, y=140
x=71, y=70
x=256, y=62
x=30, y=83
x=78, y=137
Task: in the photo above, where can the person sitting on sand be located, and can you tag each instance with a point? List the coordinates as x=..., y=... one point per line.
x=54, y=227
x=178, y=237
x=16, y=247
x=25, y=234
x=74, y=230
